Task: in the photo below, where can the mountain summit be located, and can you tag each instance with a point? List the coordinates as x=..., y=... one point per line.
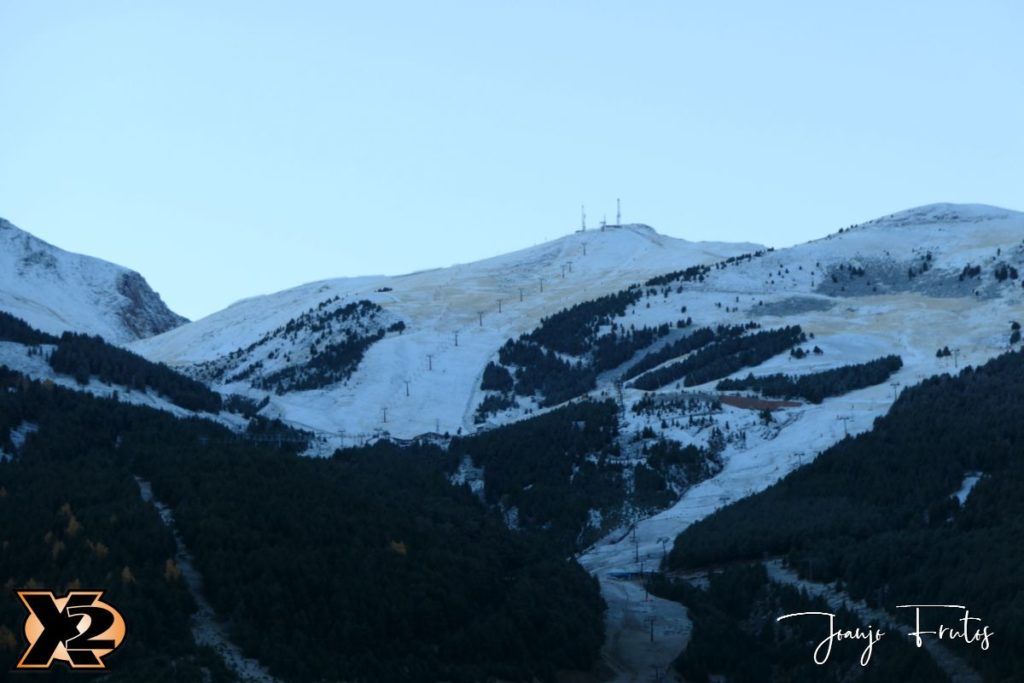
x=408, y=354
x=56, y=291
x=946, y=213
x=336, y=354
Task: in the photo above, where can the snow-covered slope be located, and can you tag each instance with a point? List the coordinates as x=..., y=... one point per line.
x=910, y=284
x=55, y=291
x=419, y=379
x=935, y=277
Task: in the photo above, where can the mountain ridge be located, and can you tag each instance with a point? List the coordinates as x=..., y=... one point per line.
x=436, y=306
x=58, y=291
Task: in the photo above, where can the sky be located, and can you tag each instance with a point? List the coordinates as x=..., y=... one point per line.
x=229, y=149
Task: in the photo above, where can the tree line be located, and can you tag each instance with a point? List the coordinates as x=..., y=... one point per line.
x=555, y=376
x=330, y=342
x=561, y=358
x=698, y=339
x=723, y=357
x=817, y=386
x=571, y=330
x=328, y=364
x=17, y=330
x=83, y=356
x=698, y=272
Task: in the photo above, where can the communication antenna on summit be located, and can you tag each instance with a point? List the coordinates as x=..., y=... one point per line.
x=618, y=212
x=583, y=218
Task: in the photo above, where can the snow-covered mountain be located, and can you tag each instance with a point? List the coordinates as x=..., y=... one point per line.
x=56, y=291
x=938, y=286
x=406, y=354
x=913, y=283
x=422, y=339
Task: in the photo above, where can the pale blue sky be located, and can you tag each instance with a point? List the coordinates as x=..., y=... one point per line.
x=226, y=149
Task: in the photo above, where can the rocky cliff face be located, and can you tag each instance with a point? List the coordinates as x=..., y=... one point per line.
x=144, y=312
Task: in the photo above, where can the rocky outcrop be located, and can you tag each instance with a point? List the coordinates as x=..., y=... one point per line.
x=144, y=313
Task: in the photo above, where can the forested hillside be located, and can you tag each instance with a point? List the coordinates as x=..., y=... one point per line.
x=71, y=516
x=735, y=636
x=17, y=330
x=86, y=357
x=563, y=475
x=562, y=357
x=882, y=511
x=379, y=571
x=320, y=347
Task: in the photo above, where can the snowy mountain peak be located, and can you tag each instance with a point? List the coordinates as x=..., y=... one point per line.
x=945, y=213
x=336, y=354
x=56, y=291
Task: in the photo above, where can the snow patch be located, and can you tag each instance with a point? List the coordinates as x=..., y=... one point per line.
x=970, y=480
x=469, y=475
x=20, y=433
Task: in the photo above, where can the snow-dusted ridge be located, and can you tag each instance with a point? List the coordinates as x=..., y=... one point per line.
x=435, y=306
x=855, y=317
x=426, y=377
x=56, y=291
x=944, y=213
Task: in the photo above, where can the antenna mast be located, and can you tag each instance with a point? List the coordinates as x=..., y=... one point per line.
x=583, y=218
x=618, y=212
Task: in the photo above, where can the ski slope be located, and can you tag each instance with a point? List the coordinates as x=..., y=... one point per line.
x=436, y=305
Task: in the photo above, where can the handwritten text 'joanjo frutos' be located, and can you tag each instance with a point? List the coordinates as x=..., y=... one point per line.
x=967, y=629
